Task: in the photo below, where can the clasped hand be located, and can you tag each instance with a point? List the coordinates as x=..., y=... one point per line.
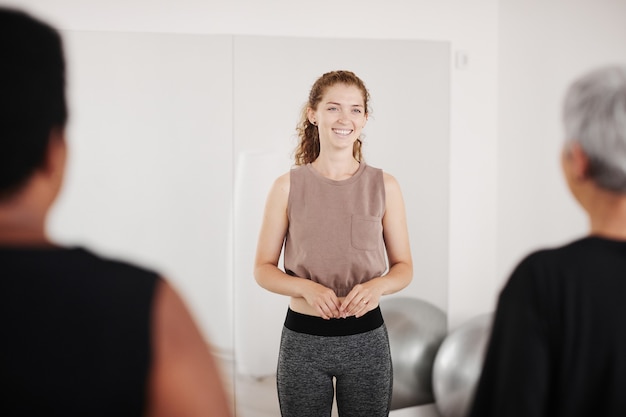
x=361, y=299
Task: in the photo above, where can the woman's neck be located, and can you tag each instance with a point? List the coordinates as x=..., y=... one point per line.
x=336, y=167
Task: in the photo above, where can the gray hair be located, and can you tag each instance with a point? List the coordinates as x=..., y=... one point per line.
x=594, y=116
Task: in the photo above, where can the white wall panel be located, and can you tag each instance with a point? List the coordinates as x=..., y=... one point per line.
x=150, y=165
x=568, y=38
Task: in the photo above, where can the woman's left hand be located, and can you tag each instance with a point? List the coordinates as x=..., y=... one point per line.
x=362, y=298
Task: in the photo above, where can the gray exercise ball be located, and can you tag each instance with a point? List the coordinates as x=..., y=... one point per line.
x=458, y=365
x=416, y=329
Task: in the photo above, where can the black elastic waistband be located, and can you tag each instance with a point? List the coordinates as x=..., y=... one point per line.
x=303, y=323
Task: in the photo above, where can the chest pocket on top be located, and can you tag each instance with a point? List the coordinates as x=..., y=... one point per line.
x=366, y=232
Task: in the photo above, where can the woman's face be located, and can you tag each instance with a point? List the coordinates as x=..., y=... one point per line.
x=340, y=116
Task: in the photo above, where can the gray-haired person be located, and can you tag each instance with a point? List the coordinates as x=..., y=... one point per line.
x=558, y=344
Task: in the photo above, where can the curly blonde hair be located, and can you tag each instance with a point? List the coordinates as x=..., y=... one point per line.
x=308, y=148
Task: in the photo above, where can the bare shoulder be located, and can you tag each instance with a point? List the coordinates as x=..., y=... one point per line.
x=185, y=379
x=391, y=183
x=282, y=183
x=279, y=192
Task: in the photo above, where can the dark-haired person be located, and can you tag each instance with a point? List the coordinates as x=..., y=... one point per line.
x=81, y=335
x=342, y=222
x=558, y=345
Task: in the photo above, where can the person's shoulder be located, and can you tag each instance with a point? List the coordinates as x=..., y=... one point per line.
x=388, y=179
x=297, y=171
x=285, y=177
x=185, y=378
x=546, y=267
x=282, y=182
x=558, y=254
x=112, y=266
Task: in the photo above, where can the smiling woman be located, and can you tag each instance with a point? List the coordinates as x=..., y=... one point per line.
x=338, y=119
x=341, y=222
x=337, y=107
x=406, y=132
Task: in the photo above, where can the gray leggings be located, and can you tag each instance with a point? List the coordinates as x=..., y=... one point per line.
x=361, y=364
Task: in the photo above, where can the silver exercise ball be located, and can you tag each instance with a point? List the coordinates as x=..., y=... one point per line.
x=416, y=329
x=458, y=365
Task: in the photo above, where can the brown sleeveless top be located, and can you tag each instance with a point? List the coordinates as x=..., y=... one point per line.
x=335, y=234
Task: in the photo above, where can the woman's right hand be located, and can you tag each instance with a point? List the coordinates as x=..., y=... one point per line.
x=323, y=300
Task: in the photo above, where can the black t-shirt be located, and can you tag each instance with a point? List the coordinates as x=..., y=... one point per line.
x=558, y=344
x=75, y=333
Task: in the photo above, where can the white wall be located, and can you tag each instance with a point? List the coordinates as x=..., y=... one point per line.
x=543, y=46
x=149, y=172
x=469, y=26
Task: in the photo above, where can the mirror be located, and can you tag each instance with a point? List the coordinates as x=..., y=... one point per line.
x=406, y=135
